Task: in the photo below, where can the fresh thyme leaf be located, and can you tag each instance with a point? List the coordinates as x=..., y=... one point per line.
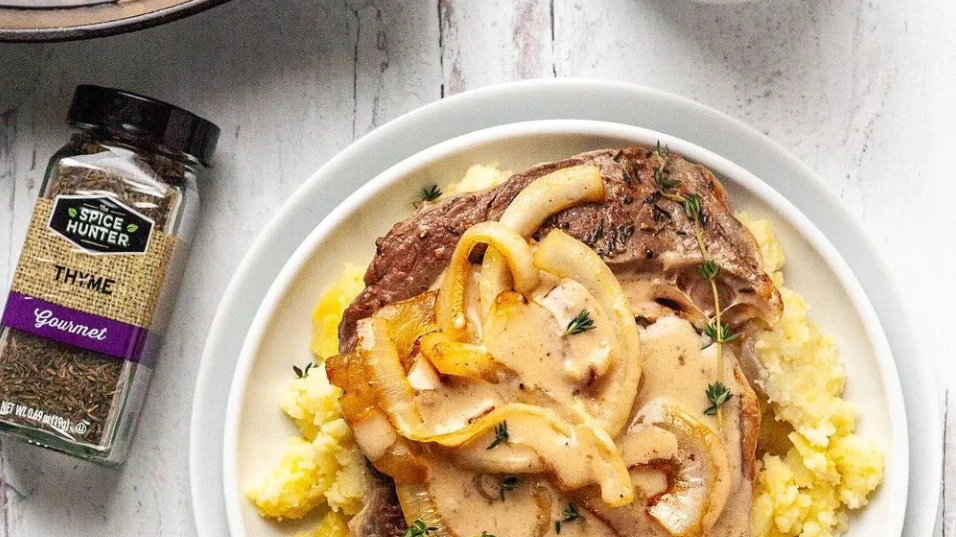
x=709, y=269
x=726, y=336
x=717, y=394
x=692, y=206
x=557, y=527
x=486, y=534
x=662, y=150
x=431, y=193
x=302, y=371
x=581, y=323
x=418, y=529
x=501, y=435
x=507, y=485
x=662, y=180
x=571, y=513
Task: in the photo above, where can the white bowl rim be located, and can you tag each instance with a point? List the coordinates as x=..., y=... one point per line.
x=720, y=165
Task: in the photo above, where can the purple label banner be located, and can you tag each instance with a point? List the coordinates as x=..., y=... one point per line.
x=73, y=327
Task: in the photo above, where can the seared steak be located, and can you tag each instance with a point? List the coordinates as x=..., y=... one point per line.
x=640, y=233
x=381, y=516
x=636, y=231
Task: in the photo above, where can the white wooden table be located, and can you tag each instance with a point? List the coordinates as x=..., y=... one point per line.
x=863, y=92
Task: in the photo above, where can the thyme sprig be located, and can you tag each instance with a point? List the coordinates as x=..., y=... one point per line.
x=582, y=322
x=724, y=336
x=501, y=435
x=301, y=372
x=717, y=393
x=660, y=176
x=570, y=514
x=507, y=484
x=429, y=193
x=418, y=529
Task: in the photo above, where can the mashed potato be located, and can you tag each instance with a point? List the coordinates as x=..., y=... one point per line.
x=328, y=312
x=333, y=525
x=823, y=469
x=322, y=468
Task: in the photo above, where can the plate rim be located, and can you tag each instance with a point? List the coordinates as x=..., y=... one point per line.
x=311, y=247
x=583, y=99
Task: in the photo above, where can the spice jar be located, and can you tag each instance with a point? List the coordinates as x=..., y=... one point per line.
x=99, y=271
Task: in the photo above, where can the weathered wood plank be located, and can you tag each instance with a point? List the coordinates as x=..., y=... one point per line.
x=946, y=523
x=291, y=84
x=397, y=61
x=494, y=41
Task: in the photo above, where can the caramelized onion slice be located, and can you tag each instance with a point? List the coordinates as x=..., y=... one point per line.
x=565, y=257
x=597, y=459
x=699, y=482
x=517, y=255
x=458, y=359
x=542, y=501
x=408, y=320
x=417, y=504
x=347, y=371
x=546, y=195
x=387, y=377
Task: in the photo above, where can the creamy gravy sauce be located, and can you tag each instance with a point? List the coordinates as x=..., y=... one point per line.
x=557, y=372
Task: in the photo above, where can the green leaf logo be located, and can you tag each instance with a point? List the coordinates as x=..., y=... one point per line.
x=72, y=212
x=131, y=228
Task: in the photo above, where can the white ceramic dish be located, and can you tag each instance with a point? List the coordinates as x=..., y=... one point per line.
x=256, y=431
x=555, y=99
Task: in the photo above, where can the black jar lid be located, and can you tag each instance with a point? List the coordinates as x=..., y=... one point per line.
x=144, y=119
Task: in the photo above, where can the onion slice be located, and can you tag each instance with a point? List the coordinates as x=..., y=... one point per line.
x=458, y=359
x=546, y=195
x=545, y=432
x=417, y=504
x=565, y=257
x=699, y=481
x=387, y=377
x=450, y=307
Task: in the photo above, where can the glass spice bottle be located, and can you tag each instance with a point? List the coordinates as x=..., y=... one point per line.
x=99, y=271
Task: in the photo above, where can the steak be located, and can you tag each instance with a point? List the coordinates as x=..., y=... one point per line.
x=381, y=516
x=636, y=230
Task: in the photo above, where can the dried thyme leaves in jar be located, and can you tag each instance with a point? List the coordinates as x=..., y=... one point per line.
x=98, y=272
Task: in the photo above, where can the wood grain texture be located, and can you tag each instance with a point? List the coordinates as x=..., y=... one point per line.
x=515, y=36
x=863, y=92
x=342, y=68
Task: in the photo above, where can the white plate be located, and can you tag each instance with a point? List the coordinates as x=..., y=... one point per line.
x=534, y=100
x=256, y=431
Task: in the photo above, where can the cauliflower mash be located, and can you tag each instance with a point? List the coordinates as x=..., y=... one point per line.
x=805, y=486
x=811, y=473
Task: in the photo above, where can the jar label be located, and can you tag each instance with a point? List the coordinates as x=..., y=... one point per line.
x=90, y=275
x=74, y=327
x=100, y=225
